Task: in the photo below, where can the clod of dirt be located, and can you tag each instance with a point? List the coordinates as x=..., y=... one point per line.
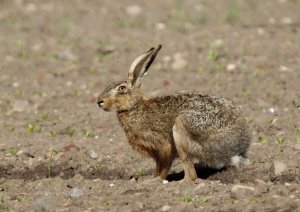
x=133, y=10
x=43, y=204
x=241, y=192
x=297, y=147
x=165, y=208
x=278, y=168
x=21, y=106
x=75, y=193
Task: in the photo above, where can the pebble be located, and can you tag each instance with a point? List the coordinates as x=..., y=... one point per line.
x=165, y=208
x=231, y=67
x=165, y=181
x=160, y=26
x=241, y=192
x=179, y=62
x=286, y=21
x=297, y=147
x=92, y=153
x=217, y=43
x=278, y=168
x=75, y=192
x=133, y=10
x=43, y=204
x=21, y=106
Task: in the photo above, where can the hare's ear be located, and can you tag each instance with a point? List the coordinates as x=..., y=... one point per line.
x=140, y=66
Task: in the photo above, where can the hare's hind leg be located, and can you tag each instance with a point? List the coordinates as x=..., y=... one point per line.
x=182, y=140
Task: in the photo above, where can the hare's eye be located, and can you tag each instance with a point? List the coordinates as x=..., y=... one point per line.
x=122, y=88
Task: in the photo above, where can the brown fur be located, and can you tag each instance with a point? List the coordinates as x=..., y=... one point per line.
x=192, y=126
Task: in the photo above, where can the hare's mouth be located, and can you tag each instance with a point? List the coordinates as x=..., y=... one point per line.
x=100, y=104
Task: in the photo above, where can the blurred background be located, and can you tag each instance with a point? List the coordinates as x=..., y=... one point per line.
x=57, y=56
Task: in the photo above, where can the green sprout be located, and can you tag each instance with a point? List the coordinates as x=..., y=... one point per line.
x=186, y=198
x=70, y=131
x=262, y=139
x=280, y=139
x=44, y=116
x=298, y=135
x=21, y=198
x=12, y=151
x=141, y=171
x=32, y=128
x=87, y=133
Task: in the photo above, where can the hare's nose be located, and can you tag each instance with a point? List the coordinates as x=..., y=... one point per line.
x=100, y=103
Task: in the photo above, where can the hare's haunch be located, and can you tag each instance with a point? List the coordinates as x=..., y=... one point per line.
x=195, y=127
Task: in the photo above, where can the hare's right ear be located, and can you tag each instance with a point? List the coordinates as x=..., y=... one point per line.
x=140, y=66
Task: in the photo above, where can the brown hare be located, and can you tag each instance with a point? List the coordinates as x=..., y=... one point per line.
x=195, y=127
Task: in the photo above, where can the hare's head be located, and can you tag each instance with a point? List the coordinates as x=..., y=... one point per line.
x=124, y=95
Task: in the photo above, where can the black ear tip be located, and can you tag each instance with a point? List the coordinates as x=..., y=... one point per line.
x=159, y=46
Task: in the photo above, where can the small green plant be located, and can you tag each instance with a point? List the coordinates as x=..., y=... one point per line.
x=49, y=170
x=32, y=128
x=87, y=133
x=70, y=131
x=298, y=135
x=44, y=116
x=141, y=171
x=262, y=139
x=298, y=95
x=213, y=56
x=246, y=92
x=10, y=210
x=205, y=199
x=21, y=198
x=12, y=151
x=76, y=93
x=249, y=120
x=200, y=70
x=10, y=129
x=186, y=198
x=97, y=167
x=280, y=139
x=52, y=133
x=231, y=14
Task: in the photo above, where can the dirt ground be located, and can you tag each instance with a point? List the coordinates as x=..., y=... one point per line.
x=60, y=152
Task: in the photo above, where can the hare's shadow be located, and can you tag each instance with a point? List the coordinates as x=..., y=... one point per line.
x=202, y=172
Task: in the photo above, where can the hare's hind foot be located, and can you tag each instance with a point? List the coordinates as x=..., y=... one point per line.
x=182, y=140
x=162, y=169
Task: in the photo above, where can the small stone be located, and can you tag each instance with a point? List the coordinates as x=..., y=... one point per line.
x=297, y=147
x=230, y=67
x=139, y=204
x=165, y=208
x=278, y=168
x=271, y=110
x=217, y=43
x=200, y=186
x=75, y=193
x=43, y=204
x=111, y=185
x=261, y=31
x=67, y=54
x=21, y=106
x=15, y=84
x=260, y=182
x=92, y=154
x=133, y=10
x=160, y=26
x=241, y=192
x=165, y=181
x=179, y=61
x=286, y=21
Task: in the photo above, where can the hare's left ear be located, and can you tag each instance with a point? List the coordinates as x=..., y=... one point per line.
x=140, y=66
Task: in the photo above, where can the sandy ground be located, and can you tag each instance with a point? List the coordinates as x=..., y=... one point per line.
x=60, y=152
